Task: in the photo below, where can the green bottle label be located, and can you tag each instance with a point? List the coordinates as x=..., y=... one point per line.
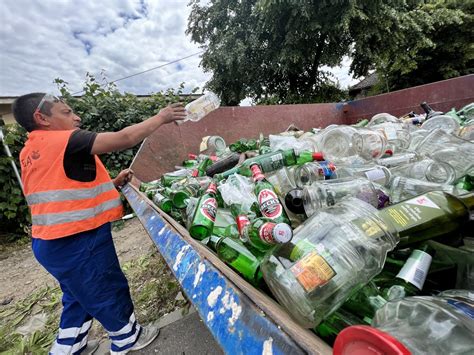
x=416, y=268
x=411, y=213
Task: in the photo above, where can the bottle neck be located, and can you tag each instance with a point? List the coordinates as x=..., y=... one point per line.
x=416, y=268
x=468, y=201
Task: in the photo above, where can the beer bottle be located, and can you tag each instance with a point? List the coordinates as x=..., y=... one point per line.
x=162, y=202
x=273, y=161
x=411, y=278
x=263, y=235
x=200, y=170
x=335, y=323
x=365, y=302
x=181, y=195
x=205, y=214
x=152, y=185
x=270, y=206
x=234, y=253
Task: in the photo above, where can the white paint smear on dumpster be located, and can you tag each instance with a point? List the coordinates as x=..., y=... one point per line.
x=228, y=303
x=213, y=295
x=268, y=347
x=180, y=256
x=210, y=316
x=198, y=276
x=162, y=231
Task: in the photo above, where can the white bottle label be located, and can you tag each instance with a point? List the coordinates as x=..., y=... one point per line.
x=416, y=268
x=375, y=174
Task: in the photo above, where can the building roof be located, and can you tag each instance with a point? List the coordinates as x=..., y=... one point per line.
x=368, y=82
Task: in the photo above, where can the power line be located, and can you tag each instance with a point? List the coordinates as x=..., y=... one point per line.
x=148, y=70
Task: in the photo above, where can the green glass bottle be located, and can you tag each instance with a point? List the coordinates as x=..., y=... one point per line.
x=190, y=163
x=263, y=235
x=152, y=185
x=200, y=169
x=162, y=202
x=273, y=161
x=183, y=193
x=168, y=179
x=411, y=278
x=205, y=214
x=361, y=123
x=264, y=144
x=234, y=253
x=429, y=215
x=335, y=323
x=267, y=199
x=365, y=302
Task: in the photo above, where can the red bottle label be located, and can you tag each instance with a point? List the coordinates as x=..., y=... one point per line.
x=270, y=206
x=265, y=233
x=242, y=221
x=209, y=209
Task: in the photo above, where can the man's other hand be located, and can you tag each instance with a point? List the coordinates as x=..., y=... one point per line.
x=123, y=177
x=172, y=113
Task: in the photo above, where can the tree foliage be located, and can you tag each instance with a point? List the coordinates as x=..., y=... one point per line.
x=277, y=50
x=447, y=50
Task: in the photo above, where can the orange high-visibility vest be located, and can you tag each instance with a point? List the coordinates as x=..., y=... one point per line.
x=59, y=205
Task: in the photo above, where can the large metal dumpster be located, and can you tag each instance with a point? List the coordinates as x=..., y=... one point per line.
x=241, y=318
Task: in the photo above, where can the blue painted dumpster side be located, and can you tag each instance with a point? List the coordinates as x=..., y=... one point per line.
x=233, y=319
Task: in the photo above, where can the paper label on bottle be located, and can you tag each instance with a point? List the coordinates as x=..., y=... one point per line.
x=209, y=209
x=461, y=306
x=203, y=145
x=375, y=174
x=270, y=206
x=416, y=268
x=410, y=213
x=312, y=271
x=242, y=221
x=273, y=163
x=266, y=233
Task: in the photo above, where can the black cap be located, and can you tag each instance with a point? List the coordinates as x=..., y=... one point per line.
x=294, y=201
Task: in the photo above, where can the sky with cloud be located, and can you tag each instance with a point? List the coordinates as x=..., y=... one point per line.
x=44, y=40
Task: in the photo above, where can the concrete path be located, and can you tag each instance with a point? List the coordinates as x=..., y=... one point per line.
x=182, y=333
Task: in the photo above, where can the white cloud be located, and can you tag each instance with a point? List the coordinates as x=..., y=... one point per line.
x=44, y=40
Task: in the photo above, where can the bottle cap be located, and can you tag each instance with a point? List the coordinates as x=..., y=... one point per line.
x=365, y=340
x=317, y=156
x=282, y=233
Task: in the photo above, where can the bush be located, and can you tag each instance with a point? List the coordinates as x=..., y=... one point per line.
x=102, y=109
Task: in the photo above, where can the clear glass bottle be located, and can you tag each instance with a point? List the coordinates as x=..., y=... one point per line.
x=399, y=159
x=200, y=107
x=449, y=149
x=327, y=193
x=377, y=174
x=380, y=118
x=402, y=188
x=315, y=171
x=442, y=324
x=335, y=251
x=397, y=135
x=369, y=144
x=337, y=143
x=444, y=122
x=427, y=169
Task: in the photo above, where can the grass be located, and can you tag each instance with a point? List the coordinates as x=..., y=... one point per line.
x=152, y=285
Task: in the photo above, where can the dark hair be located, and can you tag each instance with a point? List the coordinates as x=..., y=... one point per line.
x=24, y=107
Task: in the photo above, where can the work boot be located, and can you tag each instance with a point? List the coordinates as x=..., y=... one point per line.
x=147, y=335
x=90, y=348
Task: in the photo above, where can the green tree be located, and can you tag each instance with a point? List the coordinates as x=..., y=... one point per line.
x=276, y=50
x=446, y=51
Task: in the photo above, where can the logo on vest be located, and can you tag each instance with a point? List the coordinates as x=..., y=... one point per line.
x=35, y=155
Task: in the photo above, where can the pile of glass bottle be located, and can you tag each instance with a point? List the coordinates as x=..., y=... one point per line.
x=350, y=224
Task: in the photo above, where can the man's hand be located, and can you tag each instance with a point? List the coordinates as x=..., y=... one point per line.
x=172, y=113
x=123, y=177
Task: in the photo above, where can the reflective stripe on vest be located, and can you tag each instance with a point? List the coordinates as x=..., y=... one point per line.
x=73, y=216
x=68, y=195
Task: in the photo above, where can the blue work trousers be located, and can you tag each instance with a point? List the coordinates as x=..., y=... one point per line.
x=93, y=285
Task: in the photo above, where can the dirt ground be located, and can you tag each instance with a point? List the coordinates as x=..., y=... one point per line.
x=21, y=274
